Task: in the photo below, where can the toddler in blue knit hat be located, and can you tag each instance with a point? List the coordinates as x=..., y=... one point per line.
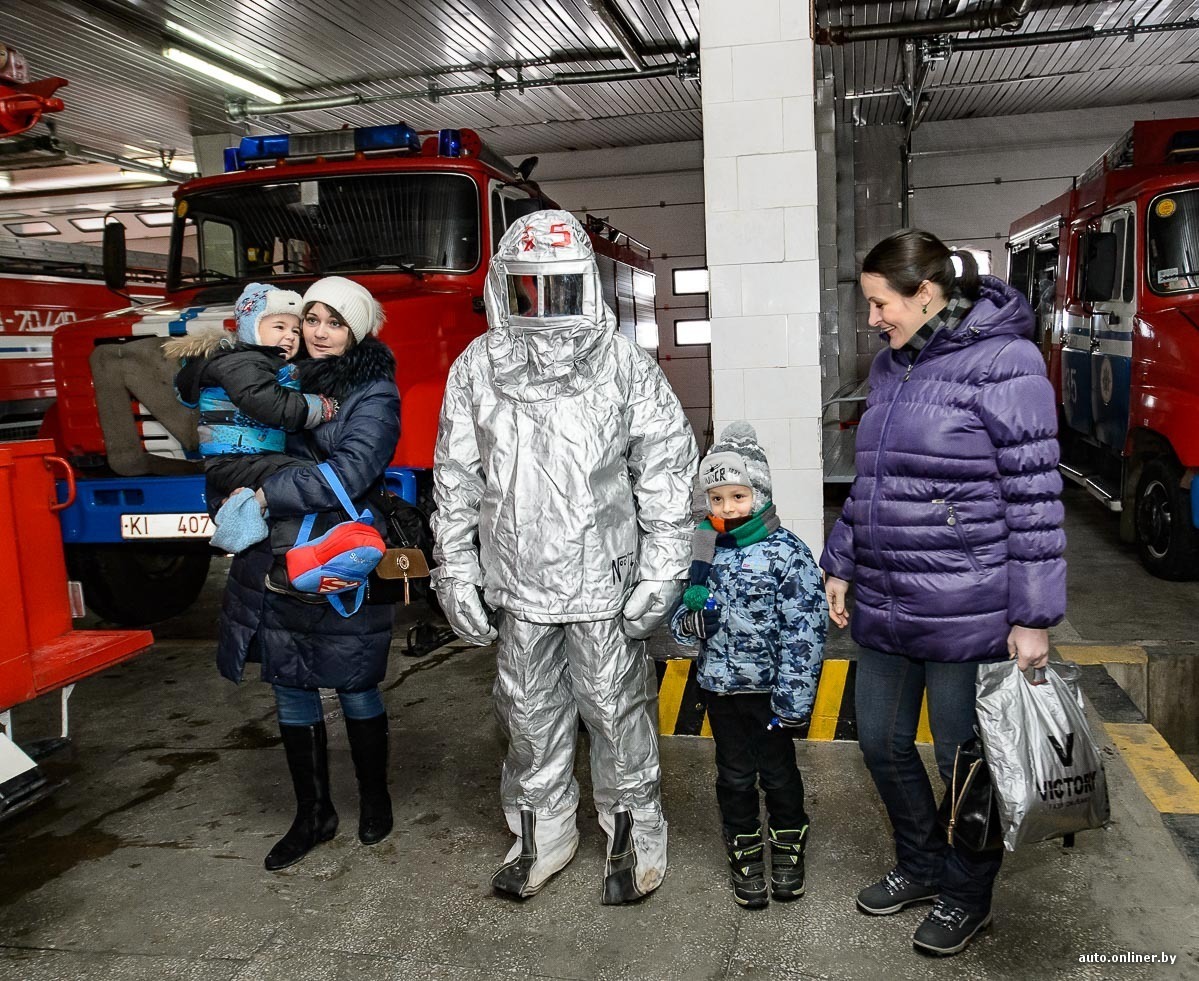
x=756, y=609
x=248, y=392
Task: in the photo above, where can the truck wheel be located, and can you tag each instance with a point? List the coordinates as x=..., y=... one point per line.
x=1166, y=539
x=133, y=585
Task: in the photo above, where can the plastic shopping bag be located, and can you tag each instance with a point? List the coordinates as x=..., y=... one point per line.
x=1045, y=765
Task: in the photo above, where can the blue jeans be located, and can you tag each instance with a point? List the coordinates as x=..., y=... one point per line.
x=302, y=706
x=888, y=694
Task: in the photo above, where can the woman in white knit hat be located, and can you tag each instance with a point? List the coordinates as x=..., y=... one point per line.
x=338, y=313
x=305, y=646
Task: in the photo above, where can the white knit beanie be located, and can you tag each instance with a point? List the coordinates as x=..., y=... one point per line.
x=351, y=300
x=737, y=458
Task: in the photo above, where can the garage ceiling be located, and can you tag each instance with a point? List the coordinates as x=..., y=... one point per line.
x=124, y=96
x=1105, y=71
x=123, y=93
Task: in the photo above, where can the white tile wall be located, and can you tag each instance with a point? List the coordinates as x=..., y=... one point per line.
x=772, y=71
x=748, y=342
x=780, y=287
x=800, y=230
x=746, y=236
x=743, y=22
x=716, y=69
x=720, y=184
x=805, y=444
x=777, y=180
x=728, y=391
x=724, y=290
x=799, y=127
x=760, y=188
x=781, y=393
x=803, y=339
x=748, y=127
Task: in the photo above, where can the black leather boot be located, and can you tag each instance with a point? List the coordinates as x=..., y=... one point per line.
x=368, y=747
x=316, y=820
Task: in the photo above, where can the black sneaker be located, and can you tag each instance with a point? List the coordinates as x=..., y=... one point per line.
x=892, y=893
x=948, y=929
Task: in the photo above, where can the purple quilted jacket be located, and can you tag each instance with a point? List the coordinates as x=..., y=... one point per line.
x=953, y=528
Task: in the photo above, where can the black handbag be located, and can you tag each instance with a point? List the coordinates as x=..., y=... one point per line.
x=969, y=812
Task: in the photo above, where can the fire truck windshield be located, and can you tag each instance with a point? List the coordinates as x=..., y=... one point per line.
x=1172, y=241
x=349, y=223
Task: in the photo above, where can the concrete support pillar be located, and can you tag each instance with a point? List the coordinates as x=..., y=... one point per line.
x=761, y=193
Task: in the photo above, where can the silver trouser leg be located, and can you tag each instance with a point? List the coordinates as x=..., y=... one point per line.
x=536, y=709
x=614, y=685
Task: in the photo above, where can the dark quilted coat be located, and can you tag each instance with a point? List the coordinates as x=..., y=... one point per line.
x=953, y=529
x=309, y=645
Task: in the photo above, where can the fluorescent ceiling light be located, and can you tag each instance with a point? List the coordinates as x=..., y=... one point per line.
x=219, y=74
x=84, y=180
x=142, y=176
x=222, y=49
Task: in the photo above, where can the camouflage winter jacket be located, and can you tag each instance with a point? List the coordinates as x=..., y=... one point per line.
x=773, y=621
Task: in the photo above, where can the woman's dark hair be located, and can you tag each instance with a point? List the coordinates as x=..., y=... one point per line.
x=909, y=257
x=351, y=341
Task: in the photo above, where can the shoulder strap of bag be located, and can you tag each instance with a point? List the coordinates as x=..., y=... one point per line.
x=337, y=604
x=335, y=484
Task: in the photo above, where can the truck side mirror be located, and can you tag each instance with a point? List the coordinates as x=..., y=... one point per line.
x=1100, y=250
x=116, y=274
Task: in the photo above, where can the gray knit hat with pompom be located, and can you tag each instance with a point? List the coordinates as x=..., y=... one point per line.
x=737, y=458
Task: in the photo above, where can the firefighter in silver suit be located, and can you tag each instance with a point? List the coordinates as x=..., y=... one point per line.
x=562, y=481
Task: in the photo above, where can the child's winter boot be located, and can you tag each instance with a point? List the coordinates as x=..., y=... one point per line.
x=786, y=863
x=747, y=870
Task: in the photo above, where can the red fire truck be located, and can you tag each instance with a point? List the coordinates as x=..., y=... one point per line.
x=44, y=285
x=1112, y=269
x=413, y=216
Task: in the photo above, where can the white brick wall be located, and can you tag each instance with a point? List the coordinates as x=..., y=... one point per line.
x=760, y=188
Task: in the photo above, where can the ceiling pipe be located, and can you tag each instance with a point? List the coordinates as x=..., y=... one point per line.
x=619, y=31
x=74, y=150
x=1021, y=40
x=239, y=109
x=1009, y=17
x=1065, y=37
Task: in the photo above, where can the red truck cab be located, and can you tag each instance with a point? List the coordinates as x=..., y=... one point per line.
x=1112, y=269
x=413, y=217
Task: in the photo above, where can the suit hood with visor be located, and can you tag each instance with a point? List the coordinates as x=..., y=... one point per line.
x=548, y=324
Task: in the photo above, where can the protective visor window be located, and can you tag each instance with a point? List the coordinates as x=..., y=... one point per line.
x=546, y=297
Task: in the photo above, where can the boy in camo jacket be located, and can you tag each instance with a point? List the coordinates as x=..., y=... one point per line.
x=757, y=609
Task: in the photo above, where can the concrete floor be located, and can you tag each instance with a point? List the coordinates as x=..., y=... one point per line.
x=147, y=863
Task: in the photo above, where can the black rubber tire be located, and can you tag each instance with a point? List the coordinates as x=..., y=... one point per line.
x=1166, y=540
x=135, y=585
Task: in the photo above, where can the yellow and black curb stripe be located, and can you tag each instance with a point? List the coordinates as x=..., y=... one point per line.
x=681, y=709
x=1163, y=778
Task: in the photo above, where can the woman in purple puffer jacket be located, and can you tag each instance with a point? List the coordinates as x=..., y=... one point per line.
x=952, y=537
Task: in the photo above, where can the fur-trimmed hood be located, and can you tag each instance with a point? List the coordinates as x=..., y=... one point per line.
x=341, y=376
x=198, y=345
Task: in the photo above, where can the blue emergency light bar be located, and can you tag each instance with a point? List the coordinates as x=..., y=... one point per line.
x=449, y=143
x=329, y=143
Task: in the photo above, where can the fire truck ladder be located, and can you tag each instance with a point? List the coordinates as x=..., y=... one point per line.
x=39, y=257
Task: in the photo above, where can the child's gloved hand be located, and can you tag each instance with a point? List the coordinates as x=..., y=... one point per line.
x=701, y=623
x=777, y=723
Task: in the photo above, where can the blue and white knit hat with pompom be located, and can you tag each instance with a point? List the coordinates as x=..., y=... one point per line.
x=260, y=300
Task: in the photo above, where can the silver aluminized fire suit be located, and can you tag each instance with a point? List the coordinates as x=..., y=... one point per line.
x=562, y=479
